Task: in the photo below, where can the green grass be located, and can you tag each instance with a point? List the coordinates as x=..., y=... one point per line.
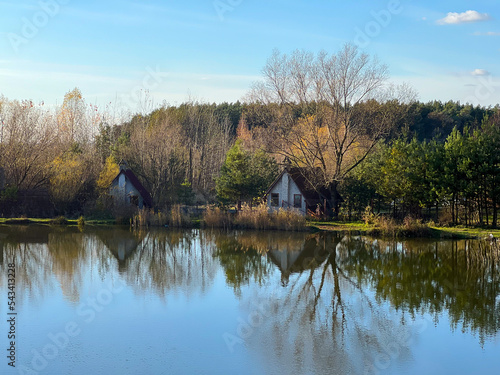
x=26, y=221
x=360, y=227
x=340, y=226
x=462, y=232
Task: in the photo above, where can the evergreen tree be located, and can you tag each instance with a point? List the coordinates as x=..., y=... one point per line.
x=244, y=175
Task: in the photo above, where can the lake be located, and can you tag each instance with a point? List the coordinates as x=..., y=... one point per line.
x=115, y=301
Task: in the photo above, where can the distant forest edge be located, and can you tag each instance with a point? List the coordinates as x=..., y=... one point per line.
x=367, y=143
x=178, y=152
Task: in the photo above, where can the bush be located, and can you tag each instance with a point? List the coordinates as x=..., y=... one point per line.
x=60, y=220
x=369, y=217
x=81, y=221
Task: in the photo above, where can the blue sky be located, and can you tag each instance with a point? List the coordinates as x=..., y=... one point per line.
x=212, y=50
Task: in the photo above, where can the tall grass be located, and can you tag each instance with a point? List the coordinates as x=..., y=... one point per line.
x=173, y=217
x=214, y=217
x=256, y=217
x=410, y=227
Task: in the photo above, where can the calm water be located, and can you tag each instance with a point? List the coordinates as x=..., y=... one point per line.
x=203, y=302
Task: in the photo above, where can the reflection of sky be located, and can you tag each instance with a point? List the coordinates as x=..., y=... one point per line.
x=179, y=325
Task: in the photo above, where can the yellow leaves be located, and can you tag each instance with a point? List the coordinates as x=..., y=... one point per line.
x=108, y=173
x=66, y=180
x=323, y=132
x=72, y=114
x=308, y=141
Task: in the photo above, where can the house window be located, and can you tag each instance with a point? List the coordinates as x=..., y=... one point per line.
x=134, y=199
x=297, y=200
x=275, y=199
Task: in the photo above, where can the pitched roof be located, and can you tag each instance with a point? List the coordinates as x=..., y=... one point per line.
x=146, y=197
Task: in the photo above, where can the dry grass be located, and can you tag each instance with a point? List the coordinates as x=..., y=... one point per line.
x=178, y=218
x=410, y=227
x=290, y=220
x=255, y=218
x=174, y=217
x=214, y=217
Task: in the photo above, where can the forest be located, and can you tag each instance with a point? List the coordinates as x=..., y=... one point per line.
x=377, y=148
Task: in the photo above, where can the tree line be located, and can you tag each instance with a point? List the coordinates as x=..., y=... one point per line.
x=333, y=115
x=455, y=181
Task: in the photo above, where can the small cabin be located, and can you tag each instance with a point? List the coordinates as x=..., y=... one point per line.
x=127, y=190
x=291, y=190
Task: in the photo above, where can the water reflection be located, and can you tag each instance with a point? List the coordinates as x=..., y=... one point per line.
x=172, y=261
x=457, y=277
x=333, y=303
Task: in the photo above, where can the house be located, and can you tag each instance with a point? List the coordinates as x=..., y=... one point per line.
x=292, y=190
x=127, y=190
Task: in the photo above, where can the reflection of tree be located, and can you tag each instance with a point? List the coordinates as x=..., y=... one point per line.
x=27, y=248
x=457, y=277
x=156, y=261
x=322, y=322
x=350, y=301
x=242, y=256
x=171, y=260
x=67, y=249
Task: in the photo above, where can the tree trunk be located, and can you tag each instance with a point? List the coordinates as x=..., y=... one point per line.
x=495, y=212
x=453, y=208
x=333, y=210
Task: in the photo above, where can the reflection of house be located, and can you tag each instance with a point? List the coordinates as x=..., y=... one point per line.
x=121, y=243
x=127, y=190
x=309, y=255
x=293, y=190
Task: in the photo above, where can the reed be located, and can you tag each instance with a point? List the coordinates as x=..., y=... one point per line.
x=214, y=217
x=256, y=217
x=410, y=227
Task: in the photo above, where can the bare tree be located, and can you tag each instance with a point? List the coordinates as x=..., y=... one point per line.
x=28, y=137
x=332, y=110
x=72, y=118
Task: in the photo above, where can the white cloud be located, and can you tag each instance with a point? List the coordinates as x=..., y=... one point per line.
x=488, y=33
x=480, y=72
x=468, y=16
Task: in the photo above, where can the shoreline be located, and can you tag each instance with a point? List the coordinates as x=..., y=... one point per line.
x=435, y=232
x=356, y=228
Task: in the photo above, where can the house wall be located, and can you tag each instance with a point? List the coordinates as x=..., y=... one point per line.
x=286, y=188
x=122, y=189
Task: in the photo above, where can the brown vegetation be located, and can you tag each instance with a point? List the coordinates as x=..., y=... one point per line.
x=175, y=217
x=255, y=218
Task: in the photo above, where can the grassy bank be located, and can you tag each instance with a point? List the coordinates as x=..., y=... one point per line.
x=432, y=231
x=55, y=221
x=257, y=219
